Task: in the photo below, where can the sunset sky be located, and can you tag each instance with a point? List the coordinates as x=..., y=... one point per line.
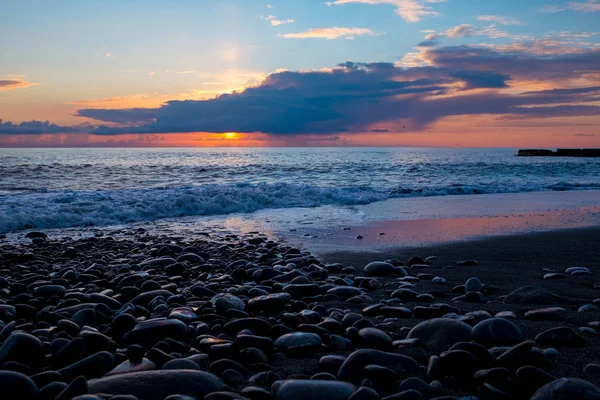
x=474, y=73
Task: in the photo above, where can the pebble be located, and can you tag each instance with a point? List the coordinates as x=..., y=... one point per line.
x=297, y=339
x=548, y=313
x=299, y=389
x=496, y=332
x=16, y=386
x=440, y=333
x=352, y=368
x=567, y=388
x=380, y=269
x=144, y=317
x=534, y=295
x=560, y=337
x=156, y=385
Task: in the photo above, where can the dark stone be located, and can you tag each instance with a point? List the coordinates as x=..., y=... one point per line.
x=496, y=332
x=567, y=389
x=16, y=386
x=381, y=269
x=352, y=368
x=560, y=337
x=151, y=331
x=440, y=333
x=23, y=348
x=373, y=338
x=156, y=385
x=534, y=295
x=299, y=389
x=296, y=339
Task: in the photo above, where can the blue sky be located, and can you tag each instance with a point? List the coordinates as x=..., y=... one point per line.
x=66, y=55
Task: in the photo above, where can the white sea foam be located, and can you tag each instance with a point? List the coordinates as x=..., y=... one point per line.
x=101, y=208
x=60, y=188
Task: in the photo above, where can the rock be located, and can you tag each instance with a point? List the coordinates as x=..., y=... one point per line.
x=300, y=389
x=473, y=285
x=35, y=234
x=381, y=269
x=127, y=367
x=257, y=326
x=184, y=314
x=506, y=315
x=548, y=313
x=156, y=385
x=529, y=379
x=373, y=338
x=190, y=257
x=440, y=333
x=297, y=339
x=154, y=330
x=8, y=313
x=48, y=291
x=352, y=369
x=16, y=386
x=224, y=302
x=588, y=308
x=553, y=275
x=93, y=366
x=496, y=332
x=76, y=388
x=345, y=291
x=534, y=295
x=364, y=393
x=467, y=263
x=143, y=299
x=271, y=302
x=415, y=260
x=560, y=337
x=23, y=348
x=567, y=389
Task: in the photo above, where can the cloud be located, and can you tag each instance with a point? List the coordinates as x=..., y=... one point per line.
x=464, y=30
x=351, y=97
x=276, y=22
x=499, y=19
x=33, y=127
x=461, y=31
x=329, y=33
x=409, y=10
x=517, y=61
x=582, y=6
x=14, y=83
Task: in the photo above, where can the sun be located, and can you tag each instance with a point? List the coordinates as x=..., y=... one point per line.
x=230, y=135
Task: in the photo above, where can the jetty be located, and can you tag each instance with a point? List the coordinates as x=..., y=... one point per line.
x=559, y=153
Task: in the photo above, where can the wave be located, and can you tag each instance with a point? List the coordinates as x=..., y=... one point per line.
x=65, y=209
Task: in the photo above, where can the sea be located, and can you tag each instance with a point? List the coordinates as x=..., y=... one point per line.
x=65, y=188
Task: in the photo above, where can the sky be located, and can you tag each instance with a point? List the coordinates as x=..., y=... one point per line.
x=457, y=73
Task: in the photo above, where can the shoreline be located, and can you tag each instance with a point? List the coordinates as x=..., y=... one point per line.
x=174, y=279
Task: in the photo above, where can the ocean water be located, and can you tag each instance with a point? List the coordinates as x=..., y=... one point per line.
x=60, y=188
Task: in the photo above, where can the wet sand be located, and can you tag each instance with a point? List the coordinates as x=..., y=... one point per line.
x=510, y=262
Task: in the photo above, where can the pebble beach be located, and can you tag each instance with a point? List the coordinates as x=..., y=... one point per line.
x=133, y=315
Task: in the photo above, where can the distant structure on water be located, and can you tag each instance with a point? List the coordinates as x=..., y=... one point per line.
x=559, y=153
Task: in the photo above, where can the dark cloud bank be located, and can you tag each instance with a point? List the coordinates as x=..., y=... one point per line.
x=32, y=127
x=354, y=96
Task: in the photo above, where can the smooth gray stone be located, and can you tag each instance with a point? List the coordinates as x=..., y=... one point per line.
x=156, y=385
x=352, y=370
x=440, y=333
x=567, y=389
x=300, y=389
x=534, y=295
